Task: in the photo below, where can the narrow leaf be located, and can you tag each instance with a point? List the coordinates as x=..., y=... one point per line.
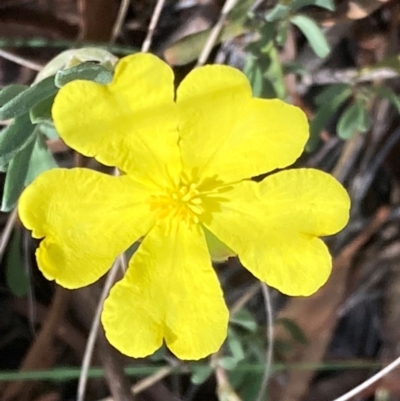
x=42, y=111
x=41, y=159
x=279, y=12
x=330, y=100
x=313, y=33
x=332, y=92
x=47, y=129
x=15, y=137
x=86, y=71
x=22, y=103
x=387, y=93
x=9, y=92
x=200, y=373
x=244, y=319
x=15, y=178
x=354, y=119
x=327, y=4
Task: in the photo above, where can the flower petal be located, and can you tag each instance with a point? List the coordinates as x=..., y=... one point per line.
x=308, y=200
x=170, y=291
x=130, y=123
x=239, y=136
x=276, y=237
x=86, y=218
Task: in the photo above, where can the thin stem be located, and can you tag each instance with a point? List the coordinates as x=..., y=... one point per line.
x=270, y=334
x=357, y=390
x=215, y=32
x=20, y=60
x=152, y=26
x=12, y=218
x=87, y=356
x=123, y=10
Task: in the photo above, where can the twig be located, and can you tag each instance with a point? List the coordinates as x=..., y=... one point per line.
x=351, y=75
x=152, y=26
x=242, y=301
x=270, y=334
x=41, y=354
x=370, y=381
x=12, y=218
x=123, y=9
x=20, y=60
x=212, y=38
x=87, y=356
x=149, y=381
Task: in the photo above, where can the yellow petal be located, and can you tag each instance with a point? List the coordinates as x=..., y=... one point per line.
x=307, y=200
x=277, y=244
x=170, y=291
x=130, y=123
x=86, y=219
x=239, y=136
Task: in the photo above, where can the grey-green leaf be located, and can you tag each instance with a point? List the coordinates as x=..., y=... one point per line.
x=329, y=101
x=332, y=92
x=313, y=33
x=327, y=4
x=279, y=12
x=42, y=111
x=24, y=101
x=387, y=93
x=9, y=92
x=41, y=159
x=85, y=71
x=15, y=137
x=353, y=119
x=200, y=373
x=15, y=178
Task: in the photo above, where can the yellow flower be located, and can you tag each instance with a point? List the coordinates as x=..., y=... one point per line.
x=187, y=162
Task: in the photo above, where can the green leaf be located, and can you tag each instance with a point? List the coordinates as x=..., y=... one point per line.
x=15, y=179
x=239, y=13
x=267, y=34
x=279, y=12
x=386, y=93
x=293, y=67
x=47, y=129
x=293, y=329
x=86, y=71
x=330, y=100
x=333, y=92
x=41, y=159
x=23, y=102
x=15, y=137
x=254, y=75
x=228, y=362
x=9, y=92
x=274, y=84
x=16, y=276
x=244, y=319
x=327, y=4
x=235, y=345
x=42, y=111
x=200, y=373
x=353, y=119
x=313, y=33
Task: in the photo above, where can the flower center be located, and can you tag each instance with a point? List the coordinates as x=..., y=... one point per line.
x=184, y=202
